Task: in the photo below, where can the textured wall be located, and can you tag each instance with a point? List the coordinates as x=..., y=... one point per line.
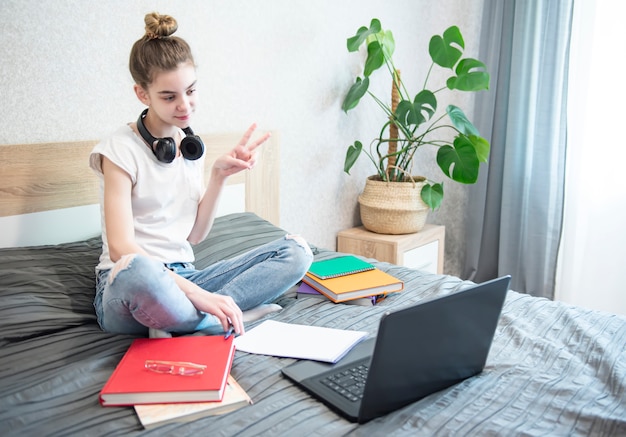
x=281, y=63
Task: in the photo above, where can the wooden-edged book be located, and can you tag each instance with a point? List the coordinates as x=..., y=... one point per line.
x=358, y=285
x=153, y=415
x=133, y=383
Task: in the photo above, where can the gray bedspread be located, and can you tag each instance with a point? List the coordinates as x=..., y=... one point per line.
x=553, y=369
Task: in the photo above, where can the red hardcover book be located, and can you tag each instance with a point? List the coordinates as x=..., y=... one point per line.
x=172, y=379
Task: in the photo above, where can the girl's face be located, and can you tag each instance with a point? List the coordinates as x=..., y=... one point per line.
x=171, y=98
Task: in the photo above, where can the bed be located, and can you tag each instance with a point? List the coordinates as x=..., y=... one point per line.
x=553, y=369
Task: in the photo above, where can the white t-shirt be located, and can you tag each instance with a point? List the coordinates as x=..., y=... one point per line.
x=164, y=196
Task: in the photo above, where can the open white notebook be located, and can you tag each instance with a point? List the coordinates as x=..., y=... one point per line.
x=298, y=341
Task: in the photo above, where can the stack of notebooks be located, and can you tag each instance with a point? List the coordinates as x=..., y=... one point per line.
x=176, y=379
x=348, y=279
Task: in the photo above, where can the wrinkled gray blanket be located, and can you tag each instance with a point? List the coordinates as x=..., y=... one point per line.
x=553, y=369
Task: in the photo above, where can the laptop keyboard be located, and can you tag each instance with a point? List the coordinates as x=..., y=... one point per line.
x=349, y=383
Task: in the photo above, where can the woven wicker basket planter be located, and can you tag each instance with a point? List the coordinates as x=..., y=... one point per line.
x=393, y=207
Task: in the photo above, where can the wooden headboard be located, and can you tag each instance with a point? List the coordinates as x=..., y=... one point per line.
x=55, y=176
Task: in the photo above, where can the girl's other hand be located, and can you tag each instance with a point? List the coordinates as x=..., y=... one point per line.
x=221, y=306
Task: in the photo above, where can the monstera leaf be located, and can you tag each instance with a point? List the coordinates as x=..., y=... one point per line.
x=446, y=50
x=460, y=121
x=352, y=154
x=471, y=75
x=375, y=58
x=459, y=162
x=417, y=112
x=432, y=195
x=357, y=90
x=362, y=34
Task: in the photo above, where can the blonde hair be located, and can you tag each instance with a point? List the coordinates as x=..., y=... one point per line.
x=157, y=50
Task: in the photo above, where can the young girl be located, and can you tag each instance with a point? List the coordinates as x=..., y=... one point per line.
x=154, y=206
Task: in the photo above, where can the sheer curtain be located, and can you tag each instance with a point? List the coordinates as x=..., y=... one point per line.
x=591, y=259
x=515, y=211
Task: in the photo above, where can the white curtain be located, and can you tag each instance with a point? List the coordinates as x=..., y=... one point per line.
x=592, y=260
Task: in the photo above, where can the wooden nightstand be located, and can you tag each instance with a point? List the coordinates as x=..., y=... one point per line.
x=423, y=250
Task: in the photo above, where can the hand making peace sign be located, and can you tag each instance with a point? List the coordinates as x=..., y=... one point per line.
x=243, y=156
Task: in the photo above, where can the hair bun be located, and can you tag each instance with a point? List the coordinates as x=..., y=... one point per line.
x=159, y=26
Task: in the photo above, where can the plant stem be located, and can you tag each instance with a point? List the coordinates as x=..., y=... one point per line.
x=430, y=69
x=381, y=104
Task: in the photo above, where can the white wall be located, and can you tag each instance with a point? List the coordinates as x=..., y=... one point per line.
x=281, y=63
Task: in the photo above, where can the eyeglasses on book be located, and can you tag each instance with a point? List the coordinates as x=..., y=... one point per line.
x=175, y=367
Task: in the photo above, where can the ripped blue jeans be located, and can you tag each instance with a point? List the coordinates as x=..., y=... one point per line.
x=142, y=294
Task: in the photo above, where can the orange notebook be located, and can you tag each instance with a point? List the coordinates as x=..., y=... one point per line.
x=370, y=283
x=132, y=383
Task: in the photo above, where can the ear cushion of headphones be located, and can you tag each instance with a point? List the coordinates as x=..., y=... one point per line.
x=191, y=146
x=165, y=149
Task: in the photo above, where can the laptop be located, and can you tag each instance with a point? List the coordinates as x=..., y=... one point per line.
x=418, y=351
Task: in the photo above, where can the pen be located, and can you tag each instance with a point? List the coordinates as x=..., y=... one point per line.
x=229, y=332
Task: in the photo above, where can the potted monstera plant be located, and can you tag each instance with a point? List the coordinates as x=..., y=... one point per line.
x=394, y=201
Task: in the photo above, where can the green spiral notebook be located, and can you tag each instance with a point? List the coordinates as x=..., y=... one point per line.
x=340, y=266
